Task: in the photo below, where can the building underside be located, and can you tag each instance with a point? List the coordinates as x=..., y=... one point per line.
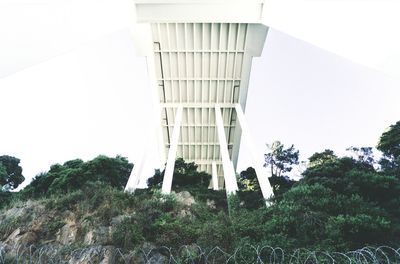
x=201, y=69
x=199, y=65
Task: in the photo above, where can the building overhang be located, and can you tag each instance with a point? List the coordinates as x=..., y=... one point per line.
x=197, y=11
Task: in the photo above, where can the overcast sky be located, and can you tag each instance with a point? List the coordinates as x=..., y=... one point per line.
x=72, y=85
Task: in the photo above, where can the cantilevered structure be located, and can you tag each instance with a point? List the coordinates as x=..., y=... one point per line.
x=199, y=54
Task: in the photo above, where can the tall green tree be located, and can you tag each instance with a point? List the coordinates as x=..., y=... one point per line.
x=389, y=144
x=10, y=172
x=321, y=158
x=281, y=161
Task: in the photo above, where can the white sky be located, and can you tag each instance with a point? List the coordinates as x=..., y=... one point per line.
x=72, y=86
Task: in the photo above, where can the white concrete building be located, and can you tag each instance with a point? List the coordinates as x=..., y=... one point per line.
x=199, y=54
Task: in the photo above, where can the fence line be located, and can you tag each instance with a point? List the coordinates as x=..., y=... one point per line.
x=192, y=254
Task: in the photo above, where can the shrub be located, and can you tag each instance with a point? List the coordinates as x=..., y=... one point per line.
x=8, y=225
x=127, y=234
x=76, y=174
x=65, y=202
x=185, y=175
x=5, y=198
x=53, y=226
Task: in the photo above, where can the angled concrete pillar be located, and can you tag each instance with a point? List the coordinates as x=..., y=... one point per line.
x=214, y=176
x=136, y=172
x=143, y=164
x=229, y=173
x=169, y=169
x=266, y=188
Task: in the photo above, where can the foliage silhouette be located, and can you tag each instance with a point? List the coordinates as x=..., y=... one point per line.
x=185, y=175
x=75, y=174
x=10, y=173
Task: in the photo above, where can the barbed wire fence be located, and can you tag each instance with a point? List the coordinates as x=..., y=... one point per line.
x=192, y=254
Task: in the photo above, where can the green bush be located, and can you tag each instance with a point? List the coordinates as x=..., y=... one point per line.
x=217, y=231
x=65, y=202
x=5, y=198
x=76, y=174
x=127, y=234
x=53, y=226
x=9, y=224
x=185, y=175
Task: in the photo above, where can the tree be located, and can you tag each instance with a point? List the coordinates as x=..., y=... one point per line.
x=114, y=171
x=335, y=173
x=279, y=159
x=185, y=175
x=75, y=174
x=10, y=173
x=348, y=176
x=249, y=189
x=389, y=144
x=316, y=217
x=248, y=180
x=157, y=180
x=363, y=154
x=3, y=174
x=280, y=185
x=320, y=158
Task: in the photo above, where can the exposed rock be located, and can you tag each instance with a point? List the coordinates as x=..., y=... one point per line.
x=185, y=213
x=151, y=254
x=108, y=257
x=29, y=238
x=118, y=219
x=28, y=208
x=98, y=254
x=211, y=204
x=185, y=198
x=98, y=236
x=17, y=237
x=13, y=236
x=67, y=234
x=89, y=238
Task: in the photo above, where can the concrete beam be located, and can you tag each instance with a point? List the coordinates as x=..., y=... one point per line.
x=169, y=170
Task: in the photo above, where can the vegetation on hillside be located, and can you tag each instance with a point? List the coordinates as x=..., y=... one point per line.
x=340, y=203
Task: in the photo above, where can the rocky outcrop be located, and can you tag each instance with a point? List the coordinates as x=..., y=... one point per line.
x=98, y=236
x=42, y=228
x=18, y=237
x=97, y=254
x=185, y=198
x=67, y=234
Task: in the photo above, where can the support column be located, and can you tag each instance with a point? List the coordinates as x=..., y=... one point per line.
x=169, y=169
x=143, y=164
x=137, y=169
x=229, y=172
x=266, y=188
x=148, y=51
x=214, y=176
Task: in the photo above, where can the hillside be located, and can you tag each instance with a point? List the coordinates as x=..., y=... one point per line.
x=103, y=216
x=78, y=212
